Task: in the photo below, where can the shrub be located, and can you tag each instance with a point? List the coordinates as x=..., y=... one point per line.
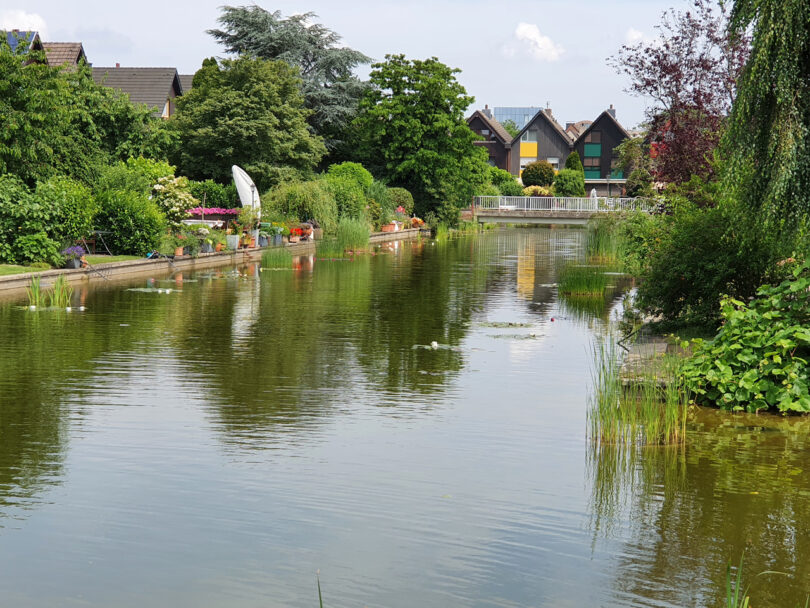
x=309, y=200
x=639, y=183
x=569, y=183
x=72, y=208
x=135, y=223
x=505, y=182
x=538, y=173
x=20, y=215
x=573, y=162
x=378, y=193
x=487, y=190
x=174, y=199
x=537, y=191
x=759, y=358
x=213, y=194
x=38, y=247
x=137, y=174
x=638, y=233
x=353, y=171
x=349, y=196
x=400, y=197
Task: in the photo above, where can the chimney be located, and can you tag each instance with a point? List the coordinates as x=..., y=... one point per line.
x=548, y=112
x=118, y=65
x=612, y=111
x=486, y=111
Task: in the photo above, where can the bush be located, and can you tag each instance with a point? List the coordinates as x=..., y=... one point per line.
x=38, y=247
x=353, y=171
x=136, y=174
x=173, y=198
x=759, y=358
x=135, y=222
x=505, y=182
x=537, y=191
x=538, y=173
x=573, y=162
x=638, y=233
x=309, y=200
x=400, y=197
x=20, y=215
x=213, y=194
x=378, y=193
x=639, y=183
x=349, y=196
x=72, y=208
x=487, y=190
x=569, y=183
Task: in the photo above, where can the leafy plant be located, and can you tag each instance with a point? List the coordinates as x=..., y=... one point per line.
x=759, y=358
x=174, y=199
x=72, y=208
x=400, y=197
x=538, y=173
x=574, y=162
x=537, y=191
x=352, y=171
x=61, y=293
x=303, y=201
x=569, y=182
x=349, y=195
x=134, y=222
x=213, y=194
x=36, y=247
x=505, y=182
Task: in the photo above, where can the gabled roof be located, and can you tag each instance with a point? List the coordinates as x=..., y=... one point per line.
x=575, y=128
x=494, y=126
x=610, y=117
x=550, y=120
x=61, y=53
x=185, y=80
x=29, y=39
x=151, y=86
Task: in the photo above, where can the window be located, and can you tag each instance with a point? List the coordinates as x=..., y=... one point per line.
x=593, y=150
x=525, y=161
x=590, y=162
x=528, y=136
x=484, y=131
x=594, y=137
x=554, y=161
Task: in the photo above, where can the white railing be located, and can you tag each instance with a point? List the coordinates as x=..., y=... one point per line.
x=563, y=203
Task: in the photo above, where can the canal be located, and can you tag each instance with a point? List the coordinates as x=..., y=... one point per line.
x=411, y=424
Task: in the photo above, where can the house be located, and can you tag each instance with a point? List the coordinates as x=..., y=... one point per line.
x=155, y=87
x=596, y=146
x=542, y=138
x=185, y=82
x=575, y=129
x=67, y=55
x=496, y=139
x=28, y=40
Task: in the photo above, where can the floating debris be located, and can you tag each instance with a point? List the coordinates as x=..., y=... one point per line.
x=504, y=324
x=435, y=346
x=154, y=290
x=516, y=336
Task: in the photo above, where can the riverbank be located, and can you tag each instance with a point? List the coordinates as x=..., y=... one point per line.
x=125, y=270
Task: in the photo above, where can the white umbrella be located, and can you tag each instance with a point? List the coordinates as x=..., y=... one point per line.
x=248, y=193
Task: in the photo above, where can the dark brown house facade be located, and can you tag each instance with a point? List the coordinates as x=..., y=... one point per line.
x=596, y=147
x=495, y=139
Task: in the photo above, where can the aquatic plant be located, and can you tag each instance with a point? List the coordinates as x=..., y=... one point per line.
x=61, y=293
x=578, y=280
x=35, y=295
x=442, y=231
x=352, y=233
x=277, y=258
x=604, y=242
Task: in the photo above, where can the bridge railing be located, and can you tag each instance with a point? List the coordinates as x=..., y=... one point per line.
x=563, y=203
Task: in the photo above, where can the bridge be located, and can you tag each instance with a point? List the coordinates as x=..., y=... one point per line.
x=552, y=209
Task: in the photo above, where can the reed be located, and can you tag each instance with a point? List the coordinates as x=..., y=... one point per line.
x=352, y=234
x=277, y=258
x=577, y=280
x=61, y=293
x=603, y=242
x=650, y=410
x=35, y=295
x=442, y=232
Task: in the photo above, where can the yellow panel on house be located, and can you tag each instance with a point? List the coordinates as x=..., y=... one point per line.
x=528, y=149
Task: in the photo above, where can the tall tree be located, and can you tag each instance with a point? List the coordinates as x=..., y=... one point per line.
x=412, y=133
x=689, y=73
x=248, y=112
x=769, y=133
x=331, y=90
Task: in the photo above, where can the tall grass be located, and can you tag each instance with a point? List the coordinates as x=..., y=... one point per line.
x=650, y=409
x=61, y=293
x=603, y=242
x=352, y=233
x=442, y=231
x=277, y=258
x=35, y=295
x=579, y=280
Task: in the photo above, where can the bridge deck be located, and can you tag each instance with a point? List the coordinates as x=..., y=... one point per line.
x=551, y=210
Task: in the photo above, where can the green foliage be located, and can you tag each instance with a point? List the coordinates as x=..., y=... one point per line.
x=380, y=203
x=61, y=293
x=412, y=133
x=174, y=199
x=213, y=194
x=353, y=171
x=37, y=247
x=487, y=190
x=639, y=234
x=352, y=233
x=573, y=162
x=330, y=89
x=22, y=216
x=768, y=138
x=569, y=183
x=136, y=174
x=349, y=196
x=72, y=208
x=400, y=197
x=248, y=112
x=696, y=191
x=639, y=183
x=578, y=280
x=633, y=153
x=135, y=223
x=538, y=173
x=511, y=127
x=505, y=182
x=759, y=358
x=303, y=201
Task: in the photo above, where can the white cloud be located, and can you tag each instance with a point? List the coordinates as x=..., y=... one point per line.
x=11, y=19
x=529, y=40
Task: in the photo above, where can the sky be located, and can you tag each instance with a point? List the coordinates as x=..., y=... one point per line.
x=542, y=53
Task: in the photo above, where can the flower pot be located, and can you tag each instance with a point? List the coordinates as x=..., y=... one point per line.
x=73, y=263
x=388, y=228
x=206, y=248
x=278, y=240
x=317, y=234
x=218, y=247
x=294, y=238
x=178, y=251
x=252, y=243
x=262, y=241
x=254, y=234
x=232, y=241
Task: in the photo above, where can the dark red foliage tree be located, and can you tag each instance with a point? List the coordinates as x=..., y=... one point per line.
x=689, y=72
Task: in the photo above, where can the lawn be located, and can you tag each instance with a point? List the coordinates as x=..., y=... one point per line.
x=7, y=269
x=105, y=259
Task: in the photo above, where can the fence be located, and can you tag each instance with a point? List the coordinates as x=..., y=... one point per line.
x=567, y=204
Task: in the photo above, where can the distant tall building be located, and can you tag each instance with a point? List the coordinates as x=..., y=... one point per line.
x=520, y=116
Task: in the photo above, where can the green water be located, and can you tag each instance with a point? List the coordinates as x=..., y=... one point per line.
x=220, y=444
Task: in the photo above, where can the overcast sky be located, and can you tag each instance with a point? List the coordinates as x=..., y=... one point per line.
x=511, y=52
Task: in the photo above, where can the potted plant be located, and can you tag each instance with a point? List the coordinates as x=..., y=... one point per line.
x=74, y=256
x=179, y=242
x=263, y=236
